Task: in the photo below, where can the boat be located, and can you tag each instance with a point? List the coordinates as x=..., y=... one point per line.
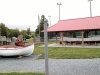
x=17, y=51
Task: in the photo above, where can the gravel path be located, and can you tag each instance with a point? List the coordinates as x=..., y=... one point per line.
x=56, y=66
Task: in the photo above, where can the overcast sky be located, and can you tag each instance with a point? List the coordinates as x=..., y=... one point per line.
x=22, y=14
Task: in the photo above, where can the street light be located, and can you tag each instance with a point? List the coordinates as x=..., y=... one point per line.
x=39, y=26
x=59, y=9
x=0, y=31
x=90, y=7
x=49, y=20
x=46, y=47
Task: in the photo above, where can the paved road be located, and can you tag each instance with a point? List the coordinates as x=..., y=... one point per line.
x=56, y=66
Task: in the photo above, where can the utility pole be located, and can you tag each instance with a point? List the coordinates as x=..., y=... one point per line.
x=39, y=26
x=0, y=31
x=46, y=47
x=90, y=7
x=6, y=35
x=59, y=9
x=49, y=20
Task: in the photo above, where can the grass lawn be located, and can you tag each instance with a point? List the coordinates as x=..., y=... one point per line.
x=69, y=53
x=14, y=73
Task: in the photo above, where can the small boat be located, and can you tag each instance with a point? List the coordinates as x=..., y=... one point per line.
x=17, y=51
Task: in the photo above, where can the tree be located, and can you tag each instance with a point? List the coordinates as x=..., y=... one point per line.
x=28, y=31
x=40, y=27
x=25, y=34
x=3, y=30
x=13, y=32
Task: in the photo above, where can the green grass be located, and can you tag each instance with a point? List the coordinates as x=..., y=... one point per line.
x=14, y=73
x=69, y=53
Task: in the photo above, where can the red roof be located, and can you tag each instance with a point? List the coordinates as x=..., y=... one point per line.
x=89, y=23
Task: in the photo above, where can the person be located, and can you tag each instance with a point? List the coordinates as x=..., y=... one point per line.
x=19, y=42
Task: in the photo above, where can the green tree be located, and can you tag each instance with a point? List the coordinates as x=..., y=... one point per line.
x=13, y=33
x=28, y=31
x=3, y=30
x=40, y=27
x=25, y=34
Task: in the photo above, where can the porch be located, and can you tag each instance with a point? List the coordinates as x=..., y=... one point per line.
x=89, y=37
x=94, y=40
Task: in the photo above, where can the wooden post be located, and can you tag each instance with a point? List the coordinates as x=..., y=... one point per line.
x=56, y=37
x=95, y=43
x=61, y=36
x=82, y=33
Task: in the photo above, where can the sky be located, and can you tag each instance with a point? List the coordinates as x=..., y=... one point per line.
x=22, y=14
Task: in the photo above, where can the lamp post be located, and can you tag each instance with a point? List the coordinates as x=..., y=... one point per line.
x=59, y=9
x=39, y=26
x=49, y=20
x=46, y=47
x=0, y=31
x=90, y=7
